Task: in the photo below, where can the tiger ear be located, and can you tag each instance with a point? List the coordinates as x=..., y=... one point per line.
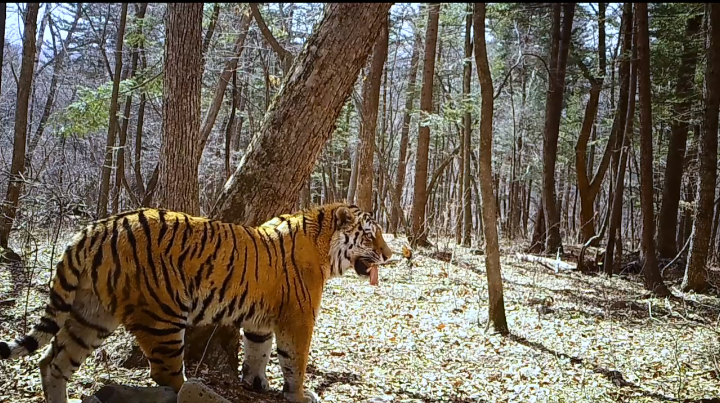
x=343, y=216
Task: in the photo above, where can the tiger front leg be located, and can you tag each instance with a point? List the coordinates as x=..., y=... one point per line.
x=293, y=347
x=257, y=348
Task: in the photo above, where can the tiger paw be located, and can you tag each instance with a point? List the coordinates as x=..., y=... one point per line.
x=307, y=397
x=257, y=382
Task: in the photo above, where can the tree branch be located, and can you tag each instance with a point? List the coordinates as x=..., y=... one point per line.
x=286, y=58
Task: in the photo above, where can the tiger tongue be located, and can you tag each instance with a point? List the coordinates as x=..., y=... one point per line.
x=374, y=275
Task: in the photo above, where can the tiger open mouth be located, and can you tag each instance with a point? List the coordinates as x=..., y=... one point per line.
x=365, y=268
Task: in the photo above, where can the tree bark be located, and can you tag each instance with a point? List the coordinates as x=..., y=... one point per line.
x=653, y=280
x=553, y=110
x=667, y=221
x=3, y=15
x=696, y=276
x=496, y=307
x=405, y=135
x=371, y=101
x=419, y=236
x=302, y=118
x=17, y=167
x=182, y=141
x=626, y=106
x=106, y=169
x=589, y=188
x=467, y=136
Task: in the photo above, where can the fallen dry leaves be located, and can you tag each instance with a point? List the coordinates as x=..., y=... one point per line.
x=420, y=337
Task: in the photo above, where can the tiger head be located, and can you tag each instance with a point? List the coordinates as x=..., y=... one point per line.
x=357, y=242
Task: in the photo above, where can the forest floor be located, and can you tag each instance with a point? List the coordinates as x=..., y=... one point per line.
x=420, y=336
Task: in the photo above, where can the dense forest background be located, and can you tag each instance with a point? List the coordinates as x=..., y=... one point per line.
x=599, y=150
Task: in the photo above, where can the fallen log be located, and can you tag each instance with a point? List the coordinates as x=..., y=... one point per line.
x=553, y=264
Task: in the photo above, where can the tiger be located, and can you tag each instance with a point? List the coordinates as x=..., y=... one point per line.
x=156, y=272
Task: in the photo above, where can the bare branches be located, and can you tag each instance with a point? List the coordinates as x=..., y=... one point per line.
x=286, y=58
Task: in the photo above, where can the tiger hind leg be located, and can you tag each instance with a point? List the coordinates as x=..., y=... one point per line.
x=165, y=351
x=85, y=330
x=293, y=347
x=257, y=349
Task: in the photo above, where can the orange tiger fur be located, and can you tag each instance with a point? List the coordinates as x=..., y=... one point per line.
x=157, y=272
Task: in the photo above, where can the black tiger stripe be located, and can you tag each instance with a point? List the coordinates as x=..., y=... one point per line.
x=137, y=327
x=294, y=263
x=257, y=254
x=159, y=318
x=73, y=363
x=78, y=249
x=177, y=373
x=262, y=235
x=47, y=325
x=211, y=265
x=173, y=237
x=251, y=312
x=148, y=244
x=241, y=303
x=171, y=342
x=77, y=339
x=113, y=280
x=320, y=219
x=203, y=240
x=163, y=226
x=133, y=245
x=231, y=270
x=257, y=337
x=64, y=283
x=4, y=350
x=283, y=353
x=58, y=303
x=205, y=303
x=219, y=315
x=29, y=343
x=84, y=322
x=58, y=372
x=97, y=260
x=186, y=232
x=285, y=269
x=167, y=351
x=303, y=224
x=156, y=361
x=163, y=306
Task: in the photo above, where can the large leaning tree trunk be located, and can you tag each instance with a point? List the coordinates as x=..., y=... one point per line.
x=302, y=116
x=24, y=86
x=561, y=33
x=420, y=192
x=667, y=221
x=653, y=280
x=696, y=272
x=492, y=250
x=625, y=118
x=405, y=135
x=371, y=100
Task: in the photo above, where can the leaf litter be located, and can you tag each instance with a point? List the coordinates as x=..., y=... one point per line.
x=420, y=336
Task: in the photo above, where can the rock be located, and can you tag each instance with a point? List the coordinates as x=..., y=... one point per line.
x=194, y=391
x=133, y=394
x=89, y=399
